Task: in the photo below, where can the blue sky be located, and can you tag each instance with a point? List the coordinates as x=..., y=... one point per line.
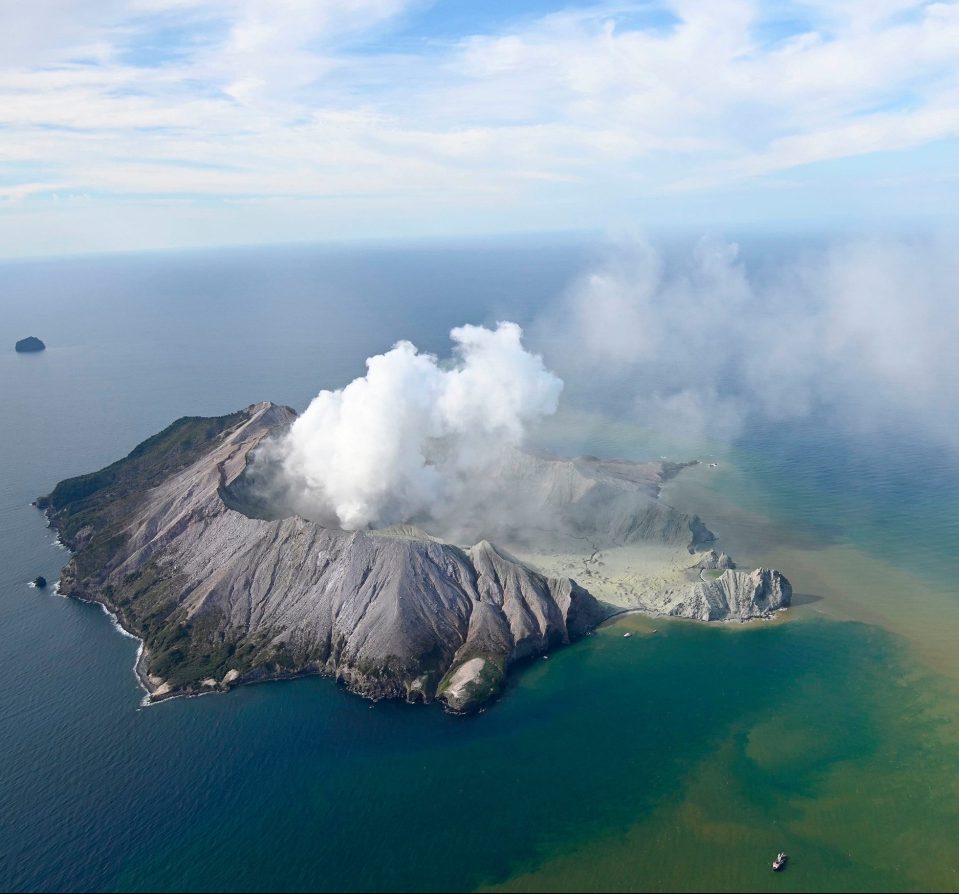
x=134, y=124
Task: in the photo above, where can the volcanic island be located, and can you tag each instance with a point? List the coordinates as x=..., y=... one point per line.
x=222, y=588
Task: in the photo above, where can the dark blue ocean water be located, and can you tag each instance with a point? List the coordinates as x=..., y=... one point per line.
x=679, y=758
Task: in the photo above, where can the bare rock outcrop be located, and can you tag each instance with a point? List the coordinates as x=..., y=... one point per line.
x=733, y=596
x=713, y=561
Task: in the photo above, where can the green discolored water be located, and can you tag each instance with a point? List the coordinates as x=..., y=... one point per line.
x=828, y=744
x=677, y=759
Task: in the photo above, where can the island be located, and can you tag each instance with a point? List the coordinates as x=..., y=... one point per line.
x=223, y=589
x=30, y=344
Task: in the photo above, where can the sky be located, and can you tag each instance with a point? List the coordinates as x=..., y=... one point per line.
x=146, y=124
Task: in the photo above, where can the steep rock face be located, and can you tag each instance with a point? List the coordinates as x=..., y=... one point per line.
x=219, y=597
x=733, y=596
x=713, y=561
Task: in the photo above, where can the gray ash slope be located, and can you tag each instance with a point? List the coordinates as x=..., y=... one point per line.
x=539, y=501
x=220, y=596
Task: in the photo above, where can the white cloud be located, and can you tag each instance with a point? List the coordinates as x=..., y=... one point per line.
x=410, y=438
x=864, y=330
x=579, y=108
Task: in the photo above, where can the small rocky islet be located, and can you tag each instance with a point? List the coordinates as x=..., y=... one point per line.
x=29, y=345
x=221, y=592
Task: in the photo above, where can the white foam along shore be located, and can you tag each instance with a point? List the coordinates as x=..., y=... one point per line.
x=114, y=622
x=147, y=700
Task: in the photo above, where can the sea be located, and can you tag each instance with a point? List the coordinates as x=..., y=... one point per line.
x=683, y=757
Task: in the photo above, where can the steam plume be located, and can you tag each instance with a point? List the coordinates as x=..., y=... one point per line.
x=862, y=330
x=699, y=347
x=403, y=441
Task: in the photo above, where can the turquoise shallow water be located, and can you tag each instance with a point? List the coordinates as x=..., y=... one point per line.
x=680, y=758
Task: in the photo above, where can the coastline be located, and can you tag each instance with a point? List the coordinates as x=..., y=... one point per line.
x=116, y=625
x=642, y=568
x=648, y=565
x=779, y=616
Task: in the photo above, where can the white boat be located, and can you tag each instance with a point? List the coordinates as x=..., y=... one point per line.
x=626, y=634
x=779, y=864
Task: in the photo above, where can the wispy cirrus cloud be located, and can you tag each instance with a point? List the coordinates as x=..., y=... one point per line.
x=564, y=118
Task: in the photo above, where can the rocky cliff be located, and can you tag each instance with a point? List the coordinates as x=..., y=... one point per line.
x=733, y=596
x=713, y=561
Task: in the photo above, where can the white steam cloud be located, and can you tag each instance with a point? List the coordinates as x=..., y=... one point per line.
x=404, y=441
x=863, y=330
x=699, y=347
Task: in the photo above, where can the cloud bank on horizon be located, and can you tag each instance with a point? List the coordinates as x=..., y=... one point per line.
x=161, y=123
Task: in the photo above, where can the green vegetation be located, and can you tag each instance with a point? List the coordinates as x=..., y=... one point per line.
x=184, y=653
x=97, y=498
x=486, y=686
x=89, y=511
x=490, y=681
